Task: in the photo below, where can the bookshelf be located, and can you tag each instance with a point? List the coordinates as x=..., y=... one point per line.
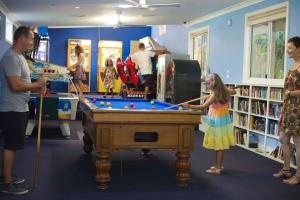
x=255, y=111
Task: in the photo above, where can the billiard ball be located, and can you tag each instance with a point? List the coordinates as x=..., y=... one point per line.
x=108, y=103
x=180, y=108
x=152, y=102
x=94, y=100
x=131, y=105
x=102, y=103
x=125, y=107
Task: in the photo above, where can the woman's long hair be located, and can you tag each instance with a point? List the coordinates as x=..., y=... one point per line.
x=220, y=91
x=78, y=50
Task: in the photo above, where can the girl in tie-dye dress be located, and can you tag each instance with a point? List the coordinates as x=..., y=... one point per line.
x=218, y=124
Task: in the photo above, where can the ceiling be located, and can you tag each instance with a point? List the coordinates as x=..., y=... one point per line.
x=98, y=12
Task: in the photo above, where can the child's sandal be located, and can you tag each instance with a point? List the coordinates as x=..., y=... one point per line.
x=213, y=170
x=294, y=180
x=283, y=174
x=222, y=168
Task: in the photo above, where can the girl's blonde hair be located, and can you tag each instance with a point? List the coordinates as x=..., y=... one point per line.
x=78, y=50
x=220, y=91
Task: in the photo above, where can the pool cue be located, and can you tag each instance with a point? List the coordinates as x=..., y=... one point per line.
x=37, y=153
x=203, y=97
x=72, y=83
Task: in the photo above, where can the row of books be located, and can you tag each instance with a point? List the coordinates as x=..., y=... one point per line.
x=276, y=93
x=278, y=153
x=258, y=107
x=274, y=110
x=240, y=136
x=244, y=91
x=259, y=92
x=243, y=105
x=257, y=123
x=231, y=106
x=242, y=120
x=273, y=128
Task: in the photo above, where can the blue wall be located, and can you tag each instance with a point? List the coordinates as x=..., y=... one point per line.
x=59, y=43
x=226, y=44
x=4, y=45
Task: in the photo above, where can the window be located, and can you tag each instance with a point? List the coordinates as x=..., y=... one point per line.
x=199, y=49
x=265, y=45
x=9, y=30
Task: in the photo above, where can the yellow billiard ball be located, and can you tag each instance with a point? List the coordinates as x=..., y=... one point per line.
x=125, y=107
x=180, y=108
x=102, y=103
x=108, y=103
x=152, y=102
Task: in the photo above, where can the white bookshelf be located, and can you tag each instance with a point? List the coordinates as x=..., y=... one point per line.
x=255, y=119
x=255, y=113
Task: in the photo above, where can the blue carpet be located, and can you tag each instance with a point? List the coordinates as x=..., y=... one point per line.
x=66, y=172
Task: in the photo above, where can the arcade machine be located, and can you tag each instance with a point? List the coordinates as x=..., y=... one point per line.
x=178, y=80
x=42, y=53
x=58, y=104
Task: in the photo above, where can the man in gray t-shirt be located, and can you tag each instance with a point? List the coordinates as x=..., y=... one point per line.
x=14, y=95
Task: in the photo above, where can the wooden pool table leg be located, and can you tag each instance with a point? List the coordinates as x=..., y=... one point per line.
x=88, y=143
x=103, y=166
x=183, y=167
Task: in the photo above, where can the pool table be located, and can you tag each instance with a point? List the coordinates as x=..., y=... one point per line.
x=143, y=125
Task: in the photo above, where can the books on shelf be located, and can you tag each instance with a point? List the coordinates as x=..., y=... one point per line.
x=244, y=90
x=243, y=104
x=273, y=128
x=259, y=92
x=240, y=136
x=276, y=94
x=274, y=109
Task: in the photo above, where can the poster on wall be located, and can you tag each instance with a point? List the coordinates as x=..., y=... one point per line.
x=72, y=59
x=108, y=49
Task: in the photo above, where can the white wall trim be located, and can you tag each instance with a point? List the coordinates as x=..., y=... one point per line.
x=6, y=12
x=224, y=11
x=247, y=42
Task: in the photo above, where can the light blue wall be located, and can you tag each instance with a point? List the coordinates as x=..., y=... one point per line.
x=173, y=39
x=226, y=43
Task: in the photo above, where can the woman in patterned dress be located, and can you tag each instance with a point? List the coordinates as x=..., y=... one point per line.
x=110, y=76
x=289, y=122
x=218, y=125
x=79, y=75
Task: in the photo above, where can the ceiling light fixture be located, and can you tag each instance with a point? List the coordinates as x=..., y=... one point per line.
x=77, y=7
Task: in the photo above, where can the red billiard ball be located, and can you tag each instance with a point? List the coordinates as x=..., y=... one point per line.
x=94, y=100
x=132, y=105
